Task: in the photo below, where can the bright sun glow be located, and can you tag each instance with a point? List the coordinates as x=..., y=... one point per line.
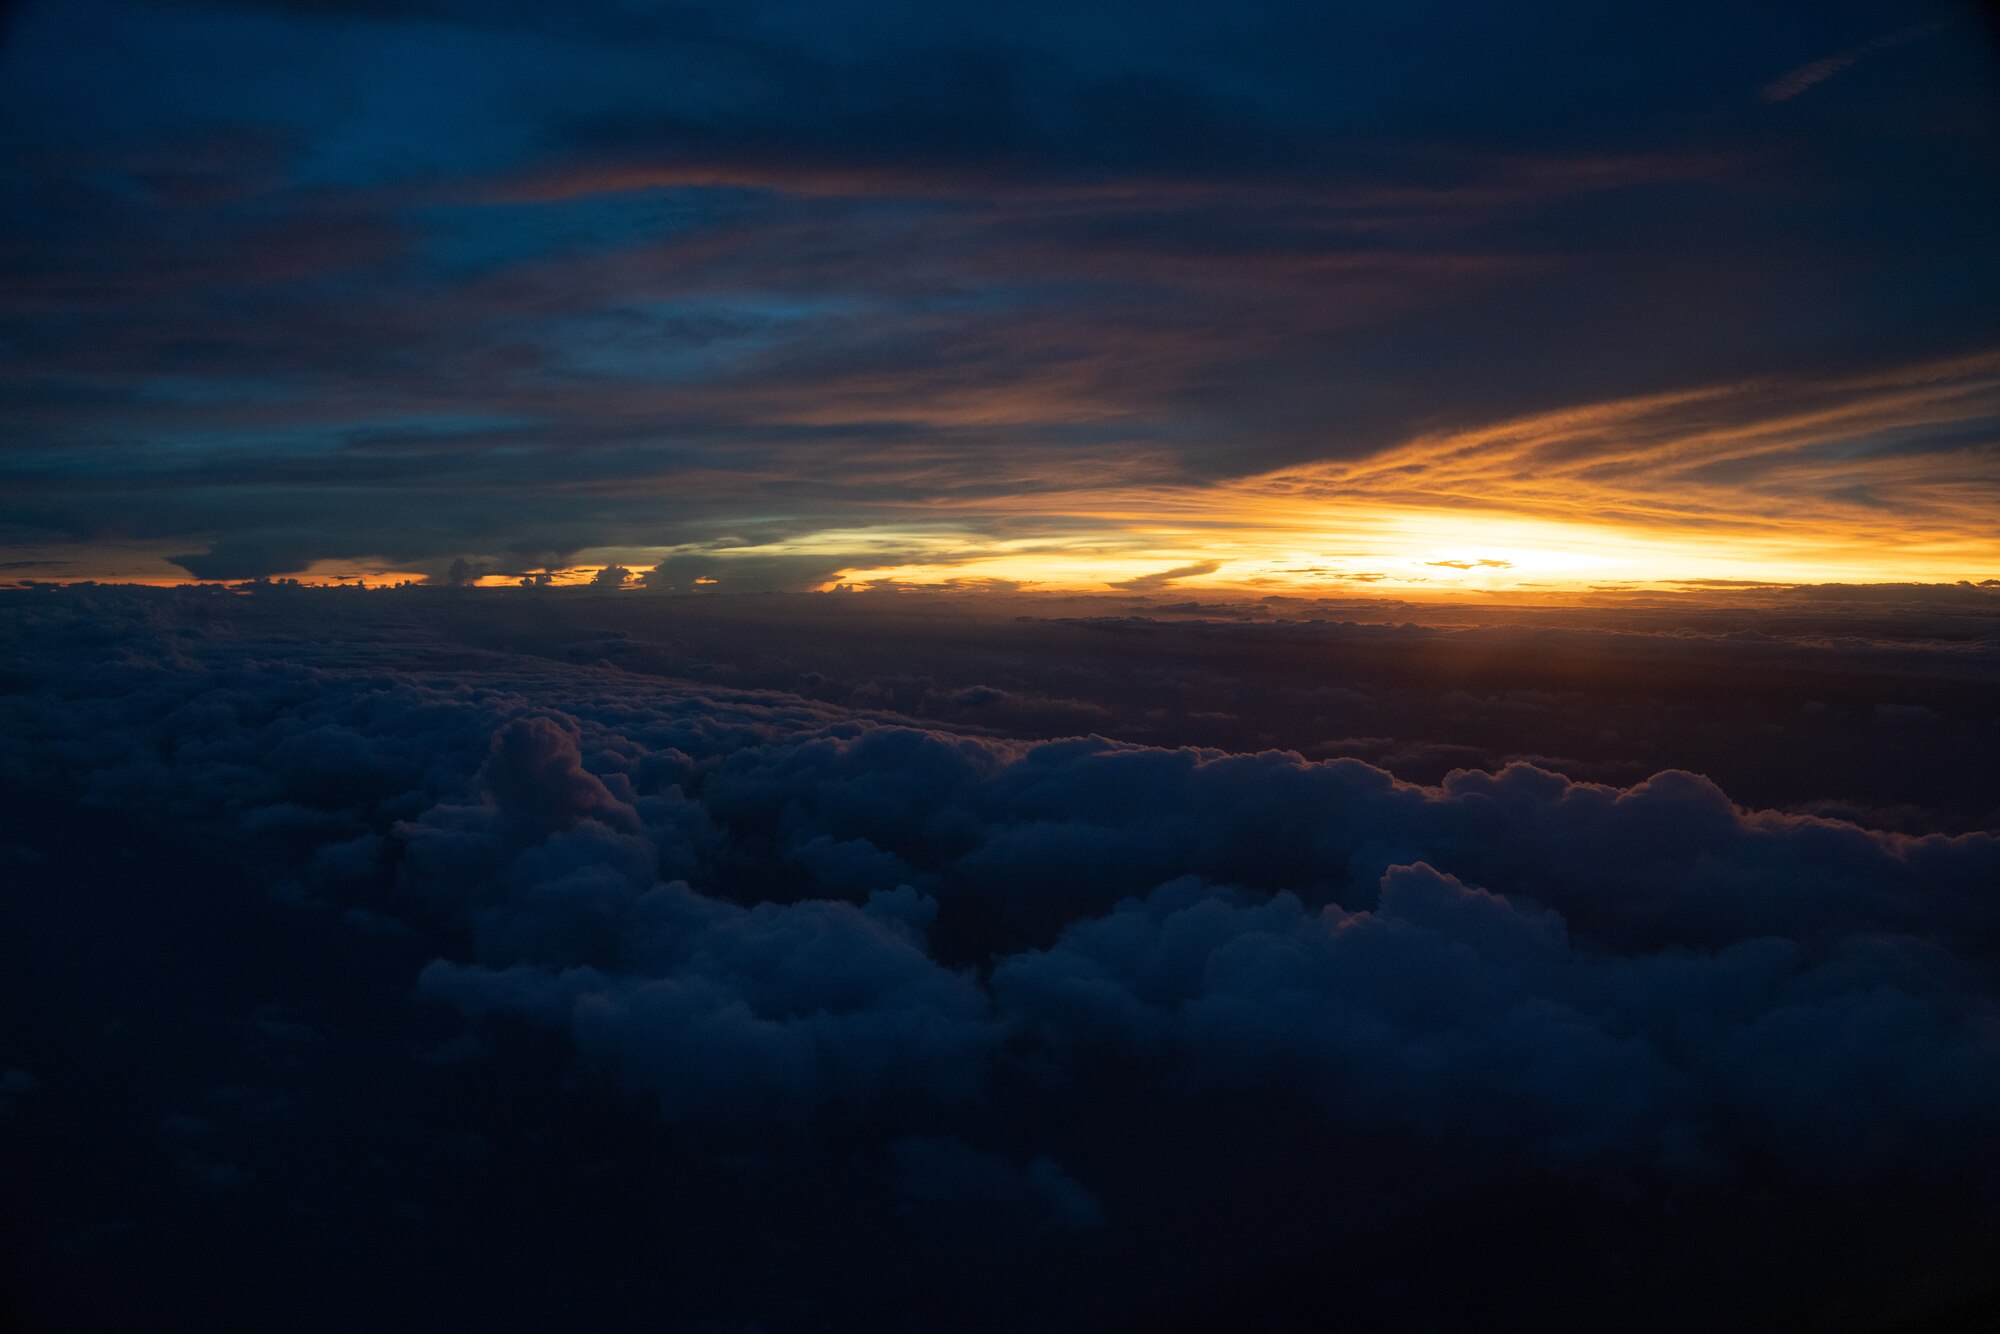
x=1425, y=551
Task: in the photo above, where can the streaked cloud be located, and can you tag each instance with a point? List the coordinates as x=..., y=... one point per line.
x=1019, y=301
x=1797, y=81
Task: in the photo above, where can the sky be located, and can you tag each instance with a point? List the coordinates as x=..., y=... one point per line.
x=1453, y=297
x=1073, y=665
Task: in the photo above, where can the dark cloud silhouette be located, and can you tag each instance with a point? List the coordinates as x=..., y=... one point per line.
x=611, y=576
x=1153, y=583
x=698, y=572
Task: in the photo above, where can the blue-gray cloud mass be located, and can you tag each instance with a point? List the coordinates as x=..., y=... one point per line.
x=409, y=918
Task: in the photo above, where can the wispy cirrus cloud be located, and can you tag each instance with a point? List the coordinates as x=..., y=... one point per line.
x=1797, y=81
x=1904, y=458
x=1888, y=476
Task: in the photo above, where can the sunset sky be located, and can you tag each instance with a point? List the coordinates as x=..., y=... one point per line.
x=1074, y=666
x=1304, y=298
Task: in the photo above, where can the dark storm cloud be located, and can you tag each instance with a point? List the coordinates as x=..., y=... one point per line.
x=283, y=276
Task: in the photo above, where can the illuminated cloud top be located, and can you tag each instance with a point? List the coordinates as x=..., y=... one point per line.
x=1144, y=296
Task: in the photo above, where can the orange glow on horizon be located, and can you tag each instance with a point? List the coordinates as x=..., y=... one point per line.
x=1443, y=551
x=1887, y=478
x=1751, y=483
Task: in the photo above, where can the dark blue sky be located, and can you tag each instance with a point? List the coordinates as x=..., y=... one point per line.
x=385, y=285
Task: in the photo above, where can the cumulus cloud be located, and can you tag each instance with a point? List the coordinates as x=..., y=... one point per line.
x=1010, y=987
x=945, y=1170
x=1563, y=1017
x=611, y=576
x=742, y=1016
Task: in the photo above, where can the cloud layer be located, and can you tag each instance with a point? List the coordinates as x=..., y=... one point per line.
x=335, y=909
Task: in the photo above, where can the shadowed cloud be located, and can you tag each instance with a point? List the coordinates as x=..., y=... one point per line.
x=407, y=905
